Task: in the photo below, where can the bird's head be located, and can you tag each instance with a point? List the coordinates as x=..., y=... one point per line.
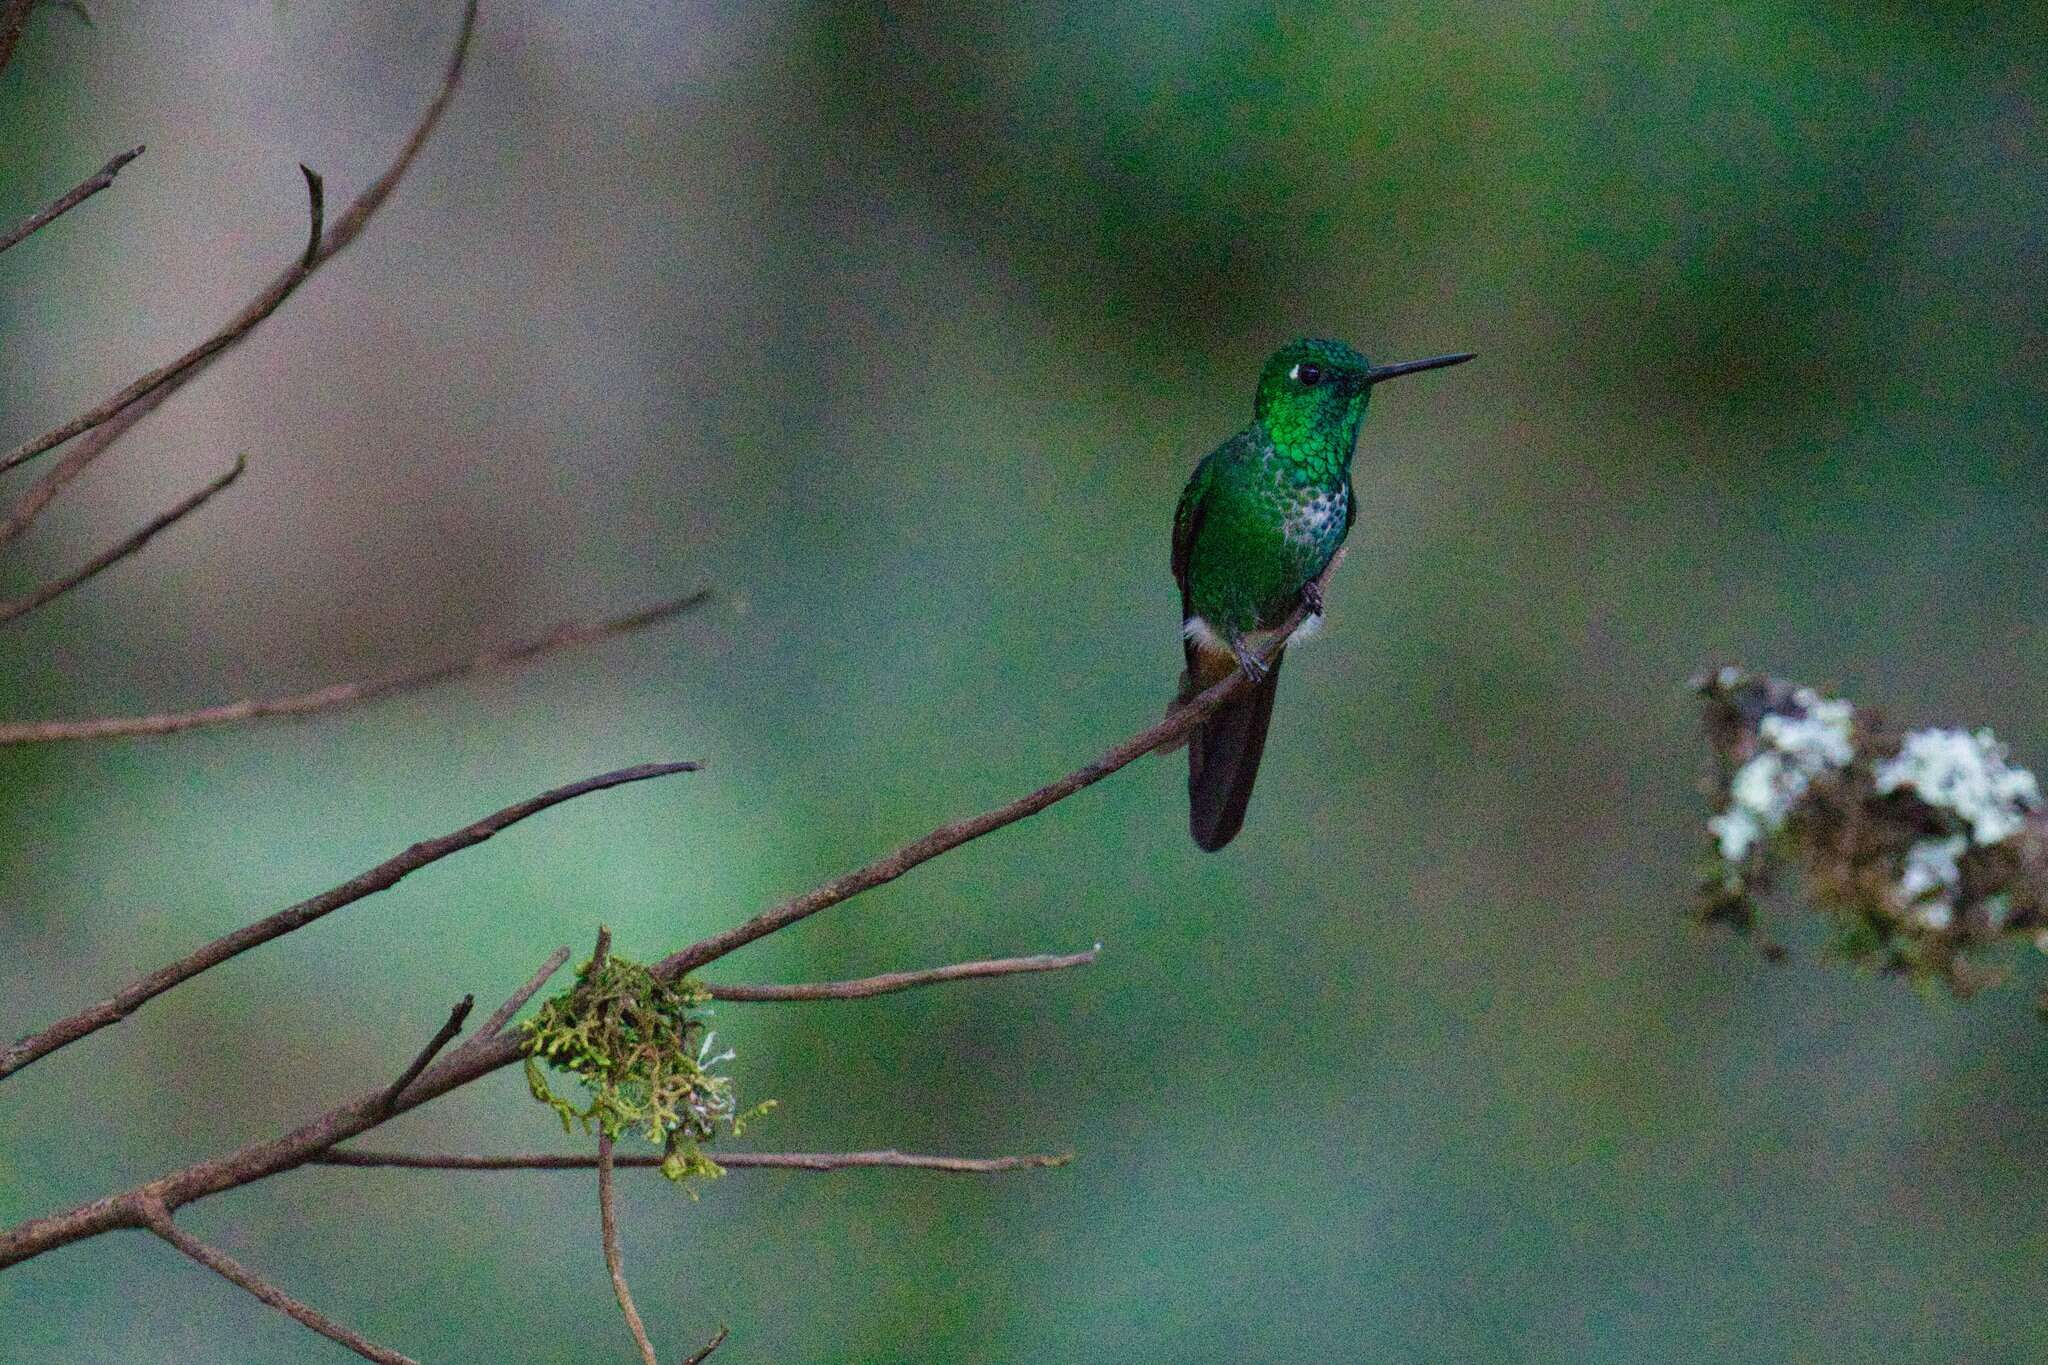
x=1321, y=386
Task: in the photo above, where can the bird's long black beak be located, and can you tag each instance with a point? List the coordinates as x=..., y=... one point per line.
x=1435, y=362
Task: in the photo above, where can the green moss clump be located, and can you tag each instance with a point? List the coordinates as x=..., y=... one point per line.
x=645, y=1054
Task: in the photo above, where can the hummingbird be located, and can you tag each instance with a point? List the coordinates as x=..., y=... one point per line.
x=1258, y=522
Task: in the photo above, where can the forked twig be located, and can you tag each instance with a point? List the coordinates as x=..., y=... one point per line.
x=266, y=304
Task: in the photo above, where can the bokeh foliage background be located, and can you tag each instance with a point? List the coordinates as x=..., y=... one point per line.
x=901, y=327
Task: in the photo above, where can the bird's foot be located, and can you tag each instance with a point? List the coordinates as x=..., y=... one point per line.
x=1312, y=597
x=1248, y=659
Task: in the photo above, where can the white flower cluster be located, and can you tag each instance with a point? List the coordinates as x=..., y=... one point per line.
x=1965, y=773
x=1954, y=770
x=1932, y=878
x=1795, y=749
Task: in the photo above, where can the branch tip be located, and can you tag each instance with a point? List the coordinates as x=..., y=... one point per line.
x=502, y=1016
x=316, y=206
x=48, y=592
x=703, y=1353
x=427, y=1054
x=69, y=200
x=890, y=982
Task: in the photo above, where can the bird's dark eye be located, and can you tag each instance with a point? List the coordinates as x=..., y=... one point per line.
x=1310, y=375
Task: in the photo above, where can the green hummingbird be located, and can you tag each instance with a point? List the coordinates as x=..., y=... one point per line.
x=1257, y=524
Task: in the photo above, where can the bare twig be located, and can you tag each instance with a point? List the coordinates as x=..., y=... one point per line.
x=890, y=982
x=13, y=14
x=379, y=878
x=267, y=304
x=703, y=1353
x=309, y=1141
x=114, y=554
x=614, y=1259
x=502, y=1015
x=732, y=1161
x=158, y=1220
x=946, y=838
x=433, y=1048
x=69, y=200
x=344, y=230
x=347, y=693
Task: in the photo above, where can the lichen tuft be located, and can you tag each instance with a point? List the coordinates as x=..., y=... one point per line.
x=648, y=1060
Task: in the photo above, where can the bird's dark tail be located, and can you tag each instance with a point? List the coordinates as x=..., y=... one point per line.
x=1223, y=761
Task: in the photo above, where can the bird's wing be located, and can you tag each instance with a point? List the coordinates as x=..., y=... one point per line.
x=1188, y=514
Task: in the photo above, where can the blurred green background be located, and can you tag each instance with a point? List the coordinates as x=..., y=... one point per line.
x=901, y=327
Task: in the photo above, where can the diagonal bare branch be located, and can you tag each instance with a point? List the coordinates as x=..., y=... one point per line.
x=227, y=1267
x=347, y=693
x=382, y=877
x=55, y=588
x=890, y=982
x=614, y=1258
x=441, y=1039
x=946, y=838
x=340, y=233
x=731, y=1161
x=266, y=304
x=69, y=200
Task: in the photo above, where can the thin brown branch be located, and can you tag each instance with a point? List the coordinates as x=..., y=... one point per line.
x=347, y=693
x=441, y=1039
x=614, y=1259
x=158, y=1220
x=502, y=1015
x=890, y=982
x=13, y=14
x=946, y=838
x=106, y=559
x=340, y=233
x=703, y=1353
x=69, y=200
x=379, y=878
x=266, y=304
x=310, y=1140
x=731, y=1161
